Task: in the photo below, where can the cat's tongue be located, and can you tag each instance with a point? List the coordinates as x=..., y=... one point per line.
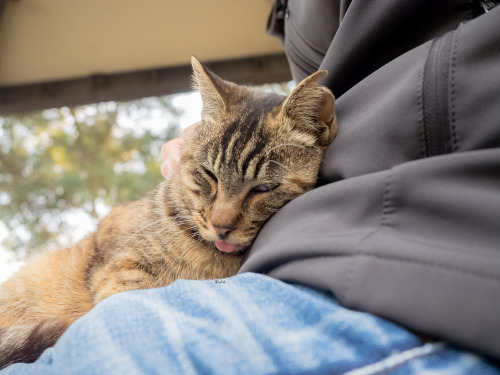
x=225, y=247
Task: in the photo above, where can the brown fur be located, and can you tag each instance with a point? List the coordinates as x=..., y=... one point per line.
x=252, y=154
x=25, y=343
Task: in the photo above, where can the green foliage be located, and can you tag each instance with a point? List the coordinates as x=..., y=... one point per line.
x=62, y=169
x=82, y=159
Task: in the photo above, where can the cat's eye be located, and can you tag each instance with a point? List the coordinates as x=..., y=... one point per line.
x=210, y=174
x=264, y=188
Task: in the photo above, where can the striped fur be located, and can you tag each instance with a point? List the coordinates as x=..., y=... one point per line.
x=253, y=153
x=25, y=343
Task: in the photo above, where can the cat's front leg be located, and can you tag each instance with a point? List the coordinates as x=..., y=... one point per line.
x=119, y=277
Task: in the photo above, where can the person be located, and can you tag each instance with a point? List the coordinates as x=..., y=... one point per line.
x=171, y=152
x=390, y=266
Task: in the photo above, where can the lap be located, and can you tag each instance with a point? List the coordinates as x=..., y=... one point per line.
x=248, y=324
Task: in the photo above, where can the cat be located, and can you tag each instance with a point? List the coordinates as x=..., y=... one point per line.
x=252, y=153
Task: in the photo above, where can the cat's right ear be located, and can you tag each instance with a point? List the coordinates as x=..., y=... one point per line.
x=212, y=88
x=311, y=107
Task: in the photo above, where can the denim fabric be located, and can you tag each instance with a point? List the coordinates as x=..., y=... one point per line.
x=247, y=324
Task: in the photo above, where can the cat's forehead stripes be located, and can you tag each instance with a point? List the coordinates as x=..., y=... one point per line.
x=244, y=138
x=252, y=157
x=239, y=151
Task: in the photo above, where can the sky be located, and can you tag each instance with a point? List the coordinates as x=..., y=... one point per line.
x=188, y=103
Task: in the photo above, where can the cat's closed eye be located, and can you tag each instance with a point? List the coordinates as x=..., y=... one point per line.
x=264, y=188
x=210, y=174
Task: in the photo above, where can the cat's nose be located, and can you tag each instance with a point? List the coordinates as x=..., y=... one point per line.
x=223, y=230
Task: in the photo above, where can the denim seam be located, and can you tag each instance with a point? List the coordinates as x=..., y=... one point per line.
x=396, y=361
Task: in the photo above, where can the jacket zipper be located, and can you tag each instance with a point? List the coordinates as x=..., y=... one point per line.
x=435, y=97
x=487, y=5
x=479, y=7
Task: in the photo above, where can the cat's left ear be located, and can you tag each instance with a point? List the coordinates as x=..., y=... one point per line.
x=213, y=89
x=311, y=109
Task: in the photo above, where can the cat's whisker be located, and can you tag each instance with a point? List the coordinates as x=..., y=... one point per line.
x=196, y=236
x=175, y=222
x=155, y=251
x=139, y=230
x=280, y=164
x=159, y=238
x=177, y=233
x=152, y=236
x=160, y=204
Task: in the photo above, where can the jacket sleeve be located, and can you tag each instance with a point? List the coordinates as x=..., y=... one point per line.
x=407, y=222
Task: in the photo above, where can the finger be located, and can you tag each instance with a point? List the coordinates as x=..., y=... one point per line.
x=167, y=170
x=189, y=130
x=170, y=147
x=172, y=154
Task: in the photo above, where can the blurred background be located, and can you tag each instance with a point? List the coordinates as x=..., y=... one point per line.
x=89, y=92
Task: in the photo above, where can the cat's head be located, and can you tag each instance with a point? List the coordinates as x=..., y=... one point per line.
x=253, y=153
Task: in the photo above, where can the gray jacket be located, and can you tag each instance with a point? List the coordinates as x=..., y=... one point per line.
x=406, y=222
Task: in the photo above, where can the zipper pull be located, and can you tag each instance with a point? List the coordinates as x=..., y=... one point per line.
x=487, y=5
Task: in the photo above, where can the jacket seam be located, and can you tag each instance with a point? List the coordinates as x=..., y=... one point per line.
x=291, y=23
x=304, y=59
x=386, y=199
x=453, y=116
x=352, y=268
x=297, y=57
x=426, y=263
x=386, y=210
x=447, y=267
x=420, y=104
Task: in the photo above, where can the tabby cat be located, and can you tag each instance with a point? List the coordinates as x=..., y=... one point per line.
x=252, y=153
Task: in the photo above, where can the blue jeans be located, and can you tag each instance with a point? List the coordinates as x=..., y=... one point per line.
x=247, y=324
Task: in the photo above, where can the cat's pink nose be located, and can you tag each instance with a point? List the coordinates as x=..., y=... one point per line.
x=223, y=230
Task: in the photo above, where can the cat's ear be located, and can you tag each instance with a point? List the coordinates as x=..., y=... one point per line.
x=311, y=109
x=213, y=89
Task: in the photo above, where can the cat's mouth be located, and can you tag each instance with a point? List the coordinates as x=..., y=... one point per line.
x=231, y=248
x=223, y=243
x=226, y=246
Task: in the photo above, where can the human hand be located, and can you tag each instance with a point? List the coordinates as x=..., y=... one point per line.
x=171, y=152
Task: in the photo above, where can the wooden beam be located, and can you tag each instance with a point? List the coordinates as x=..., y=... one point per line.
x=138, y=84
